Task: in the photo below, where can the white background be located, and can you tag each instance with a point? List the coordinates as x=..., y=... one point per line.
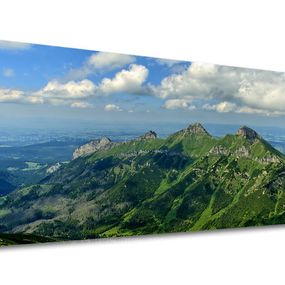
x=239, y=33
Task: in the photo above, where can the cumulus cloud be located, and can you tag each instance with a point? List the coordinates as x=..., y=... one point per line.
x=249, y=110
x=173, y=104
x=112, y=107
x=195, y=81
x=10, y=95
x=8, y=72
x=223, y=107
x=54, y=93
x=110, y=61
x=76, y=93
x=226, y=107
x=250, y=90
x=66, y=91
x=99, y=62
x=216, y=88
x=265, y=90
x=81, y=105
x=7, y=45
x=57, y=93
x=33, y=99
x=17, y=96
x=127, y=80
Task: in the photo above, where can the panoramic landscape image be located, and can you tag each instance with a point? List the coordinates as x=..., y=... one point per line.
x=98, y=145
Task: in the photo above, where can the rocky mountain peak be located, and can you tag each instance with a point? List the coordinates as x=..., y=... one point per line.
x=197, y=129
x=150, y=135
x=104, y=141
x=247, y=133
x=93, y=146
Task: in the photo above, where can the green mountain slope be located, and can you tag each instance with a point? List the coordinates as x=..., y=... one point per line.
x=189, y=181
x=13, y=239
x=6, y=185
x=193, y=140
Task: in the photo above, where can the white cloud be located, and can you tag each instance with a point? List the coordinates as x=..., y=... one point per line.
x=34, y=100
x=8, y=72
x=246, y=88
x=75, y=93
x=194, y=82
x=67, y=91
x=129, y=81
x=18, y=96
x=7, y=45
x=264, y=91
x=249, y=110
x=112, y=107
x=167, y=62
x=58, y=93
x=110, y=61
x=99, y=62
x=173, y=104
x=216, y=88
x=226, y=107
x=223, y=107
x=10, y=95
x=81, y=105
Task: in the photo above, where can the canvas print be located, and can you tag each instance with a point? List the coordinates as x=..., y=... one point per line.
x=97, y=145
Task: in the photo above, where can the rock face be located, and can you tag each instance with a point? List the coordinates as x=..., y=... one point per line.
x=247, y=133
x=53, y=168
x=197, y=129
x=105, y=144
x=220, y=150
x=151, y=135
x=242, y=152
x=93, y=146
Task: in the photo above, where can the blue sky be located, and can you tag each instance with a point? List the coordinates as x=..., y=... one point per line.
x=35, y=66
x=50, y=86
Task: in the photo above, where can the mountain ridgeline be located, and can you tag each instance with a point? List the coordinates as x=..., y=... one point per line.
x=189, y=181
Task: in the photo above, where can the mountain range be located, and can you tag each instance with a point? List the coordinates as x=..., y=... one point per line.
x=189, y=181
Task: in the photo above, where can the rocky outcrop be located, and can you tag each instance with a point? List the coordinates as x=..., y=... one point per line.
x=242, y=152
x=105, y=144
x=268, y=159
x=247, y=133
x=196, y=129
x=93, y=146
x=53, y=168
x=151, y=135
x=219, y=150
